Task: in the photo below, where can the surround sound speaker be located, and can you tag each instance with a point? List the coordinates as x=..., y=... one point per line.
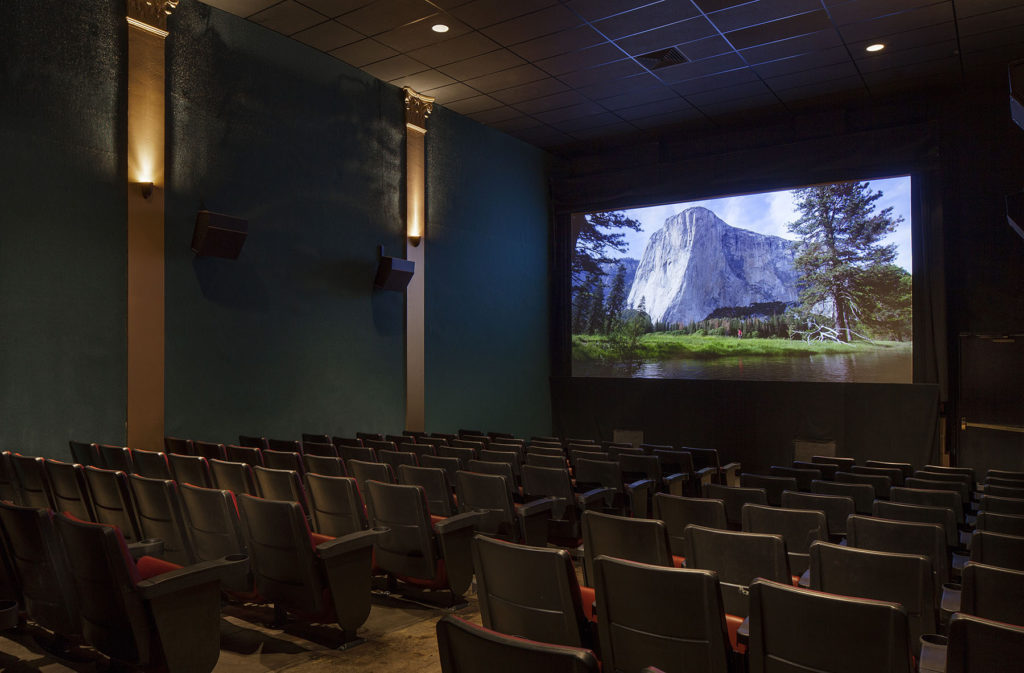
x=217, y=235
x=394, y=273
x=1016, y=71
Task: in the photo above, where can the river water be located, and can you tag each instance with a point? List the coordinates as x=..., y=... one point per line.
x=875, y=366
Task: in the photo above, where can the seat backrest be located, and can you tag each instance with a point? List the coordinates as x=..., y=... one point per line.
x=116, y=457
x=193, y=470
x=641, y=540
x=863, y=495
x=704, y=458
x=1006, y=482
x=539, y=482
x=281, y=553
x=636, y=466
x=250, y=455
x=473, y=445
x=996, y=549
x=675, y=462
x=335, y=505
x=734, y=498
x=879, y=482
x=902, y=511
x=803, y=475
x=930, y=498
x=902, y=537
x=379, y=444
x=843, y=463
x=325, y=449
x=978, y=645
x=993, y=593
x=419, y=450
x=465, y=647
x=959, y=487
x=280, y=485
x=210, y=450
x=408, y=548
x=212, y=524
x=253, y=442
x=798, y=527
x=678, y=512
x=968, y=471
x=448, y=464
x=462, y=453
x=363, y=453
x=315, y=438
x=435, y=486
x=151, y=464
x=828, y=470
x=346, y=441
x=33, y=487
x=179, y=445
x=85, y=453
x=542, y=460
x=38, y=557
x=396, y=458
x=114, y=618
x=737, y=557
x=363, y=471
x=510, y=457
x=795, y=629
x=836, y=508
x=640, y=623
x=906, y=468
x=597, y=473
x=1004, y=491
x=234, y=477
x=376, y=436
x=896, y=475
x=993, y=503
x=158, y=508
x=326, y=465
x=773, y=486
x=1007, y=524
x=70, y=492
x=530, y=592
x=885, y=576
x=111, y=501
x=283, y=460
x=290, y=445
x=490, y=493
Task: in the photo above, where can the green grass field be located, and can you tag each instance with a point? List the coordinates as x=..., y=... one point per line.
x=672, y=345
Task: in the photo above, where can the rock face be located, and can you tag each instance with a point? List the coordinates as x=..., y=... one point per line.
x=697, y=263
x=628, y=264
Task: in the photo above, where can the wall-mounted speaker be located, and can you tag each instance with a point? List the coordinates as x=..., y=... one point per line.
x=1015, y=212
x=1017, y=92
x=217, y=235
x=394, y=273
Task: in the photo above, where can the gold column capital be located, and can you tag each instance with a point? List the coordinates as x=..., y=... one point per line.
x=151, y=15
x=417, y=109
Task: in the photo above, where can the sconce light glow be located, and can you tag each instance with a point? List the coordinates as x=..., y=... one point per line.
x=439, y=28
x=878, y=46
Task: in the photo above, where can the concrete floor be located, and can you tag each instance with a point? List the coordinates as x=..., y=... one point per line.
x=399, y=637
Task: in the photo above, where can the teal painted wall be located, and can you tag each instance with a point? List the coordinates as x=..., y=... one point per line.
x=487, y=287
x=63, y=269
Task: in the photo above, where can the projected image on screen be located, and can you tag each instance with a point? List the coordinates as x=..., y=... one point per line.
x=809, y=284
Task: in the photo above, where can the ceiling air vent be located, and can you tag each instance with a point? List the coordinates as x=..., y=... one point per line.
x=661, y=58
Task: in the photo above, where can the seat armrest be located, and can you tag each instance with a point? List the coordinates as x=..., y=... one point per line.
x=535, y=507
x=458, y=522
x=595, y=495
x=674, y=483
x=190, y=576
x=348, y=543
x=640, y=493
x=705, y=475
x=950, y=600
x=151, y=547
x=933, y=654
x=731, y=474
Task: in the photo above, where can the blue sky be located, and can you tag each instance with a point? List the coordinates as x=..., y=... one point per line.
x=770, y=212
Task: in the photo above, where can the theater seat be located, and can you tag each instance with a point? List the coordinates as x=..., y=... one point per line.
x=193, y=470
x=151, y=464
x=149, y=614
x=32, y=485
x=798, y=527
x=837, y=509
x=1005, y=551
x=214, y=529
x=232, y=476
x=111, y=501
x=158, y=508
x=281, y=485
x=640, y=621
x=546, y=482
x=978, y=645
x=640, y=540
x=336, y=506
x=734, y=498
x=993, y=593
x=467, y=648
x=434, y=483
x=70, y=493
x=312, y=579
x=325, y=465
x=492, y=495
x=677, y=513
x=531, y=592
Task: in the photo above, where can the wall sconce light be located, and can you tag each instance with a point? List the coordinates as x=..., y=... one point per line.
x=414, y=240
x=146, y=188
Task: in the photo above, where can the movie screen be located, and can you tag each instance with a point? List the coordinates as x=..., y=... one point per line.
x=808, y=284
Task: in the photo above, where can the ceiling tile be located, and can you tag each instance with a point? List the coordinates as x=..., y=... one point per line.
x=709, y=6
x=419, y=34
x=493, y=115
x=668, y=36
x=456, y=49
x=812, y=43
x=384, y=15
x=765, y=102
x=761, y=12
x=333, y=8
x=983, y=23
x=709, y=66
x=487, y=65
x=814, y=76
x=894, y=59
x=288, y=17
x=565, y=99
x=633, y=99
x=396, y=66
x=580, y=60
x=618, y=128
x=923, y=73
x=648, y=17
x=984, y=7
x=807, y=61
x=728, y=93
x=483, y=13
x=243, y=8
x=570, y=40
x=363, y=52
x=604, y=73
x=772, y=31
x=641, y=82
x=516, y=124
x=570, y=112
x=674, y=104
x=898, y=23
x=543, y=136
x=523, y=92
x=475, y=104
x=668, y=118
x=503, y=79
x=813, y=89
x=868, y=10
x=587, y=122
x=425, y=81
x=731, y=78
x=706, y=48
x=451, y=93
x=592, y=10
x=327, y=36
x=529, y=26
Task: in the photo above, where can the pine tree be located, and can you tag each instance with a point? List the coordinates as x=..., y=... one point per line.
x=616, y=300
x=596, y=316
x=840, y=235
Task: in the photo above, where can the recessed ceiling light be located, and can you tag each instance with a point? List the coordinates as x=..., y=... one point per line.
x=878, y=46
x=439, y=28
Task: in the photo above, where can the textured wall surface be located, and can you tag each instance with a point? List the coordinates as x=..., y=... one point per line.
x=63, y=294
